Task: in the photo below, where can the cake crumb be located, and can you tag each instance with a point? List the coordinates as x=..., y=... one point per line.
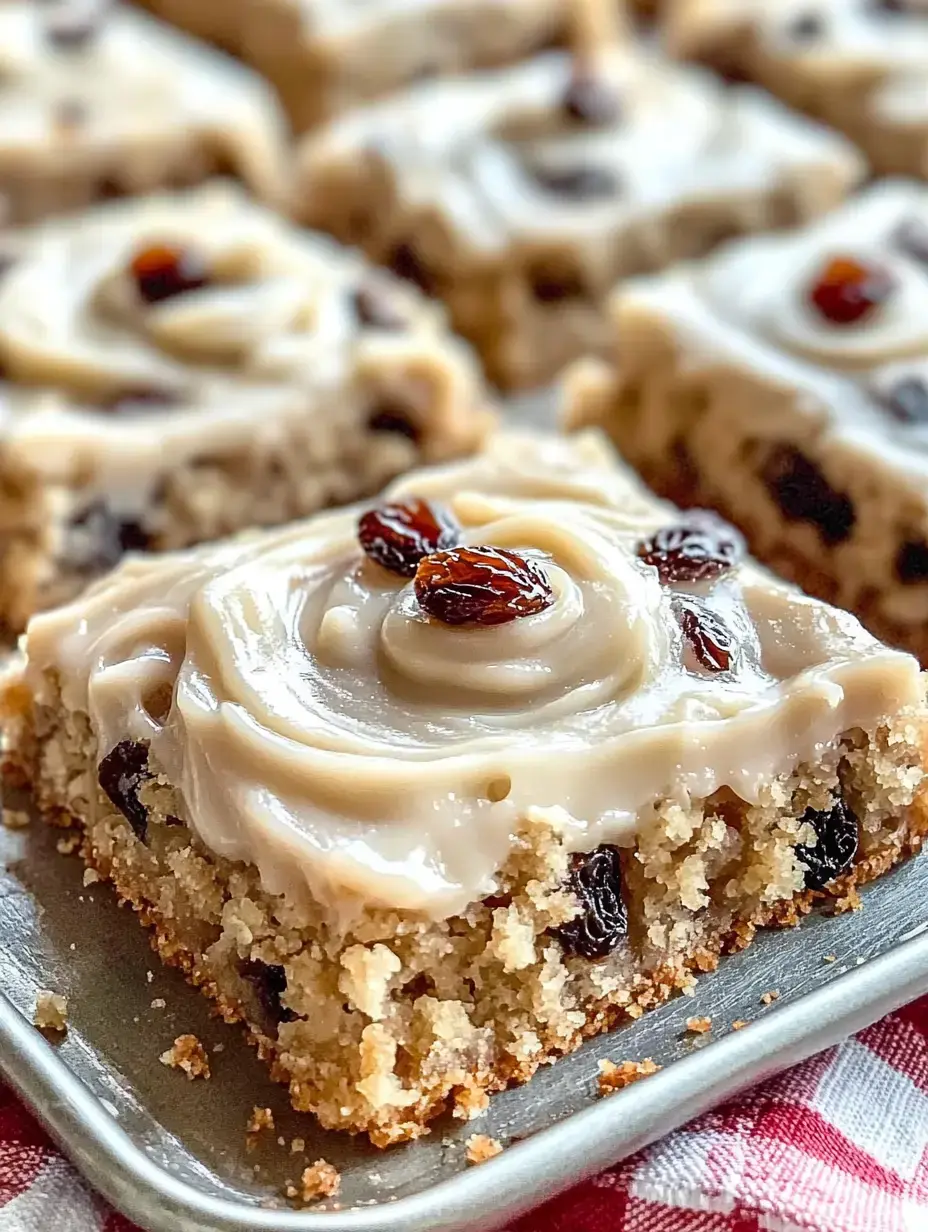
x=297, y=1146
x=15, y=819
x=189, y=1055
x=158, y=1003
x=481, y=1147
x=739, y=1024
x=149, y=975
x=51, y=1011
x=91, y=877
x=261, y=1118
x=470, y=1103
x=830, y=958
x=613, y=1077
x=699, y=1026
x=69, y=843
x=634, y=1011
x=319, y=1180
x=769, y=997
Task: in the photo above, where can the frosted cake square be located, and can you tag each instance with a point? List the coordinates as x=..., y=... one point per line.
x=176, y=368
x=859, y=65
x=521, y=196
x=326, y=55
x=425, y=792
x=785, y=382
x=99, y=101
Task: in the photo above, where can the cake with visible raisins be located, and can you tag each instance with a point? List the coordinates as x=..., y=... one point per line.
x=859, y=65
x=99, y=101
x=326, y=55
x=521, y=196
x=180, y=367
x=427, y=792
x=785, y=382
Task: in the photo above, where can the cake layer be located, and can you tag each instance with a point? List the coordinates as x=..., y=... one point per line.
x=99, y=101
x=426, y=792
x=179, y=367
x=520, y=196
x=785, y=382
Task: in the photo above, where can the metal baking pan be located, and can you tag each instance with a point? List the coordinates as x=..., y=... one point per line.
x=171, y=1154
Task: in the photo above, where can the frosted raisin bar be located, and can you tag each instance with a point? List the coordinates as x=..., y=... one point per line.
x=179, y=367
x=99, y=101
x=427, y=791
x=785, y=382
x=520, y=197
x=859, y=65
x=326, y=55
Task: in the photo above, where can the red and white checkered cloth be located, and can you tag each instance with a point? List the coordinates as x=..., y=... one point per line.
x=839, y=1144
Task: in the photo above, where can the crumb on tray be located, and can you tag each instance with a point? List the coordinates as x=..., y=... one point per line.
x=613, y=1077
x=298, y=1146
x=189, y=1055
x=699, y=1026
x=739, y=1023
x=91, y=877
x=769, y=997
x=481, y=1147
x=15, y=819
x=69, y=843
x=319, y=1180
x=51, y=1011
x=261, y=1118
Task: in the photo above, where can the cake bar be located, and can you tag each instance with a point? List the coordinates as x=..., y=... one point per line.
x=179, y=367
x=426, y=791
x=520, y=196
x=785, y=382
x=98, y=102
x=326, y=55
x=859, y=65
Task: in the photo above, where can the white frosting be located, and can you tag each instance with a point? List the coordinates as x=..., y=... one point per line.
x=328, y=731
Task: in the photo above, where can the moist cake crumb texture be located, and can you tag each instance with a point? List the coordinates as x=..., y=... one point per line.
x=481, y=1147
x=616, y=1076
x=51, y=1011
x=654, y=748
x=188, y=1055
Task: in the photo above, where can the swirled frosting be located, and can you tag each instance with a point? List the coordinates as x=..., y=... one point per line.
x=101, y=383
x=324, y=728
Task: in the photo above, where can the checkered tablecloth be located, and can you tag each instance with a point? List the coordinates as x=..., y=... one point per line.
x=839, y=1144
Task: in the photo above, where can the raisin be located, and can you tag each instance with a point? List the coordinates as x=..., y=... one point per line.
x=269, y=980
x=481, y=586
x=141, y=399
x=710, y=639
x=375, y=307
x=162, y=271
x=121, y=774
x=701, y=548
x=805, y=495
x=97, y=539
x=837, y=835
x=550, y=284
x=590, y=100
x=596, y=879
x=846, y=290
x=72, y=30
x=577, y=183
x=912, y=562
x=907, y=400
x=398, y=536
x=407, y=264
x=385, y=417
x=805, y=27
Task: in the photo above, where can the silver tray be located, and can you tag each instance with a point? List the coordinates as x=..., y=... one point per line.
x=171, y=1154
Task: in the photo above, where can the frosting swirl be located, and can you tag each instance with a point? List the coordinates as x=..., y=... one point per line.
x=324, y=728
